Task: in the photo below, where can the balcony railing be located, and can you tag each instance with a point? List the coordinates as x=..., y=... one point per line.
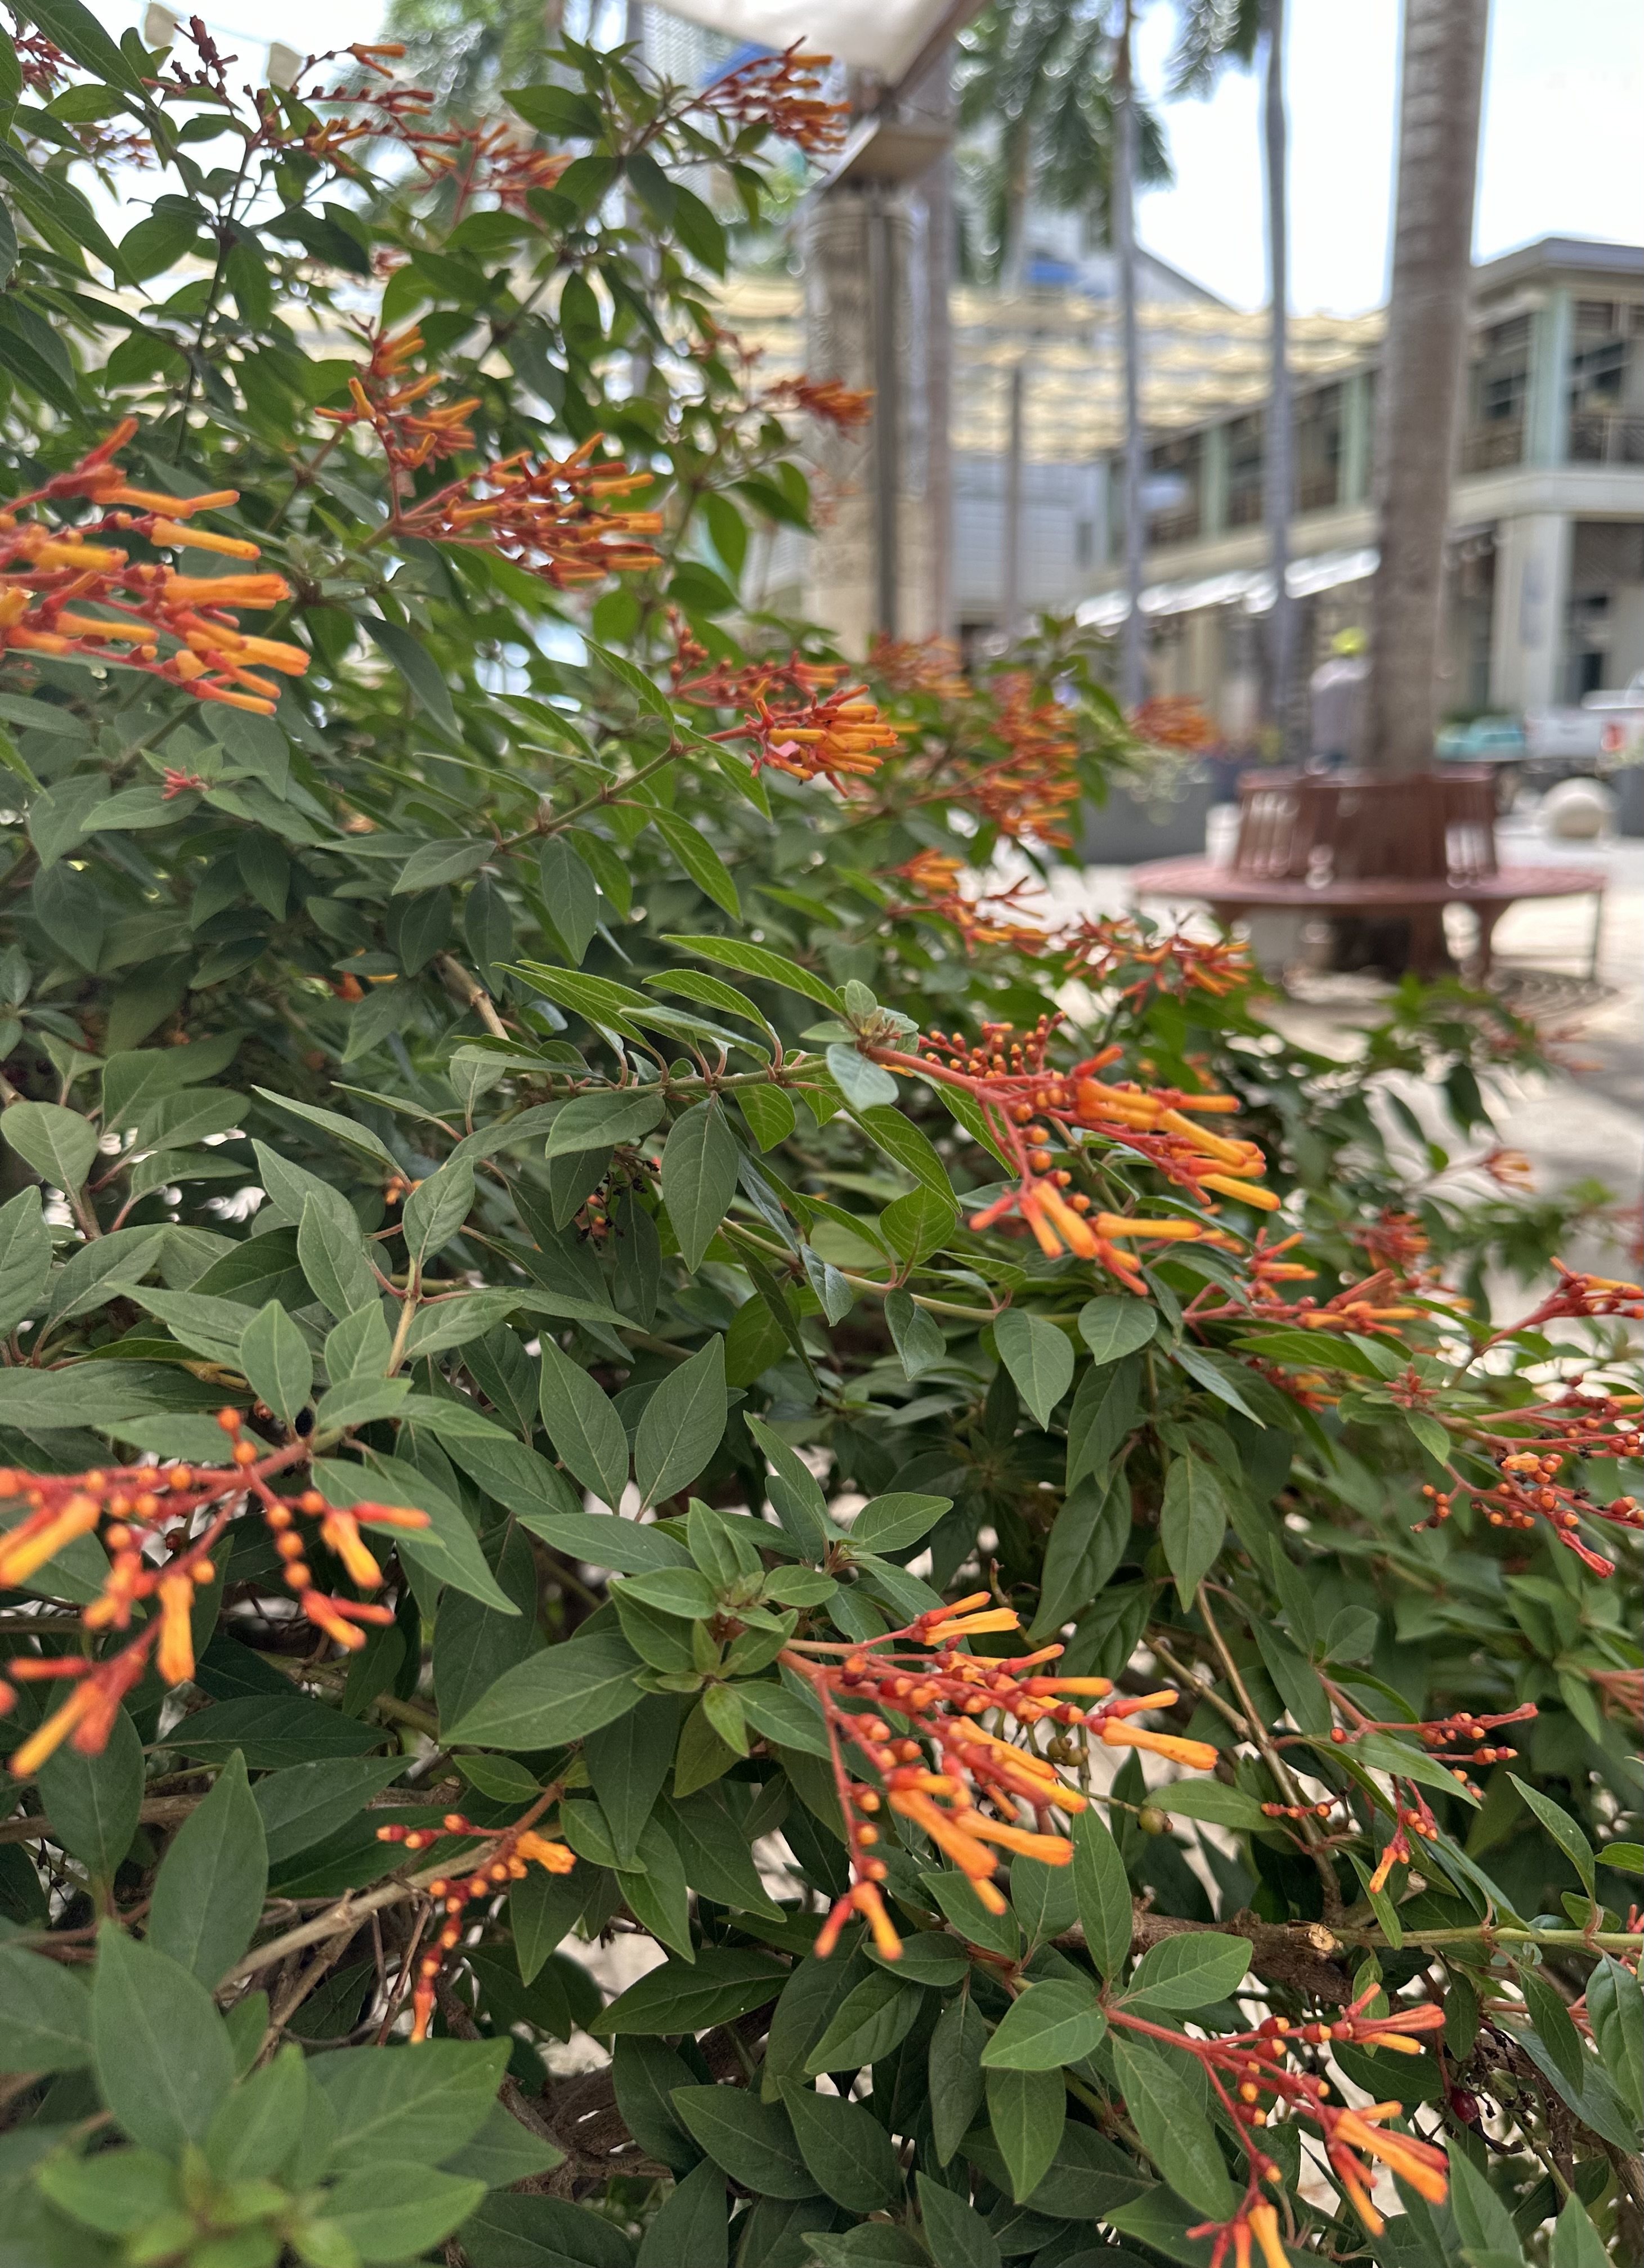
x=1606, y=436
x=1317, y=491
x=1244, y=505
x=1487, y=446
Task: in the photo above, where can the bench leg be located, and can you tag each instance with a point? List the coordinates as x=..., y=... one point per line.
x=1487, y=918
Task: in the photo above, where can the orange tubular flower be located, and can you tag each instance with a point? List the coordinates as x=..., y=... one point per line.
x=173, y=1656
x=1197, y=1755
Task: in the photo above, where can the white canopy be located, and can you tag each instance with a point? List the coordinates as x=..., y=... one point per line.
x=879, y=35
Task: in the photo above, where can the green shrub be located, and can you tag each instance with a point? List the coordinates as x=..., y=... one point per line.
x=638, y=1410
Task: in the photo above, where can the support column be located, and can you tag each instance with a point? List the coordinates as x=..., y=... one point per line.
x=1355, y=438
x=1547, y=411
x=1532, y=580
x=1212, y=482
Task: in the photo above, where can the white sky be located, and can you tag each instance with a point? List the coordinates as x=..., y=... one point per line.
x=1563, y=99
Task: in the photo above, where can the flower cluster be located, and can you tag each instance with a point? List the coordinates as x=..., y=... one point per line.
x=506, y=1859
x=782, y=93
x=1443, y=1739
x=929, y=665
x=797, y=715
x=158, y=1524
x=934, y=1766
x=1033, y=788
x=825, y=398
x=1175, y=721
x=51, y=573
x=987, y=918
x=1531, y=1463
x=1139, y=962
x=1027, y=1106
x=1252, y=2076
x=552, y=519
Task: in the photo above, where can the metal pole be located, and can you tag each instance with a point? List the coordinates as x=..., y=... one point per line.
x=886, y=469
x=1132, y=671
x=1012, y=609
x=1281, y=454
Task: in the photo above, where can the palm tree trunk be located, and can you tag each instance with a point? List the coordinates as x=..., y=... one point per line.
x=1422, y=363
x=1280, y=453
x=1132, y=665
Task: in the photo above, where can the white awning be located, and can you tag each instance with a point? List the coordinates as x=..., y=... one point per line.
x=1251, y=589
x=879, y=35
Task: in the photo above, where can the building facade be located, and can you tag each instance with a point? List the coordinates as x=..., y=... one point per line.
x=1545, y=581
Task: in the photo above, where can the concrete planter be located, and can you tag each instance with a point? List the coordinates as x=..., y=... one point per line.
x=1127, y=828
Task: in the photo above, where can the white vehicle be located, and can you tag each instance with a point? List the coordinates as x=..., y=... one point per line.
x=1621, y=718
x=1607, y=725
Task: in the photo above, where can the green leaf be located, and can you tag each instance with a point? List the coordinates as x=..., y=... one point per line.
x=955, y=2232
x=789, y=1720
x=724, y=1983
x=1481, y=2221
x=304, y=1804
x=681, y=1425
x=556, y=110
x=917, y=1225
x=1038, y=1358
x=115, y=2193
x=162, y=2051
x=474, y=1645
x=1050, y=2025
x=892, y=1523
x=1174, y=2130
x=851, y=2157
x=1113, y=1327
x=94, y=1803
x=757, y=961
x=902, y=1140
x=24, y=1257
x=1103, y=1411
x=58, y=1144
x=47, y=2014
x=275, y=1359
x=393, y=2216
x=752, y=2140
x=1553, y=2025
x=956, y=2073
x=1576, y=2244
x=917, y=1335
x=692, y=2229
x=583, y=1425
x=1210, y=1799
x=1103, y=1893
x=865, y=1085
x=872, y=2019
x=628, y=1762
x=1564, y=1829
x=207, y=1894
x=349, y=1131
x=398, y=2109
x=1087, y=1540
x=649, y=697
x=600, y=1122
x=1192, y=1523
x=1191, y=1971
x=558, y=1695
x=504, y=2152
x=700, y=1160
x=437, y=1209
x=699, y=858
x=1027, y=2110
x=256, y=2130
x=422, y=672
x=569, y=895
x=604, y=1541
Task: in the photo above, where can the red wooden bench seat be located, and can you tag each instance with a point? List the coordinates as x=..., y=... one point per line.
x=1342, y=843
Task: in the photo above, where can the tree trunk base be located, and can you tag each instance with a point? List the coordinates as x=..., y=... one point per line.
x=1391, y=945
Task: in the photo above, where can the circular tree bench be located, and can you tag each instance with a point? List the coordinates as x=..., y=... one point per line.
x=1344, y=843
